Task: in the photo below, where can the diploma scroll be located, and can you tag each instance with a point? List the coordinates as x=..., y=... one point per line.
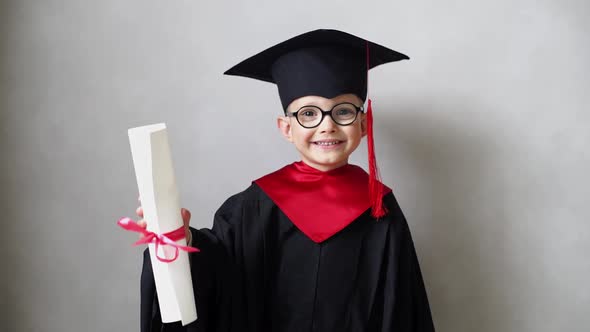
x=161, y=209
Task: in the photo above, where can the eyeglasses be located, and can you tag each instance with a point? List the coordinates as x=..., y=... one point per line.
x=342, y=114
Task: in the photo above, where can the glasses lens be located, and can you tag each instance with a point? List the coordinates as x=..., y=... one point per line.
x=344, y=114
x=309, y=116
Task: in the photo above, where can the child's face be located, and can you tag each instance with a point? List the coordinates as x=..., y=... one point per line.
x=328, y=145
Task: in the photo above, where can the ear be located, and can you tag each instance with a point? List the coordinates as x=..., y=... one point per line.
x=363, y=124
x=284, y=124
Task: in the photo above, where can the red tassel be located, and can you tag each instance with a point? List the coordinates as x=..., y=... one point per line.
x=375, y=187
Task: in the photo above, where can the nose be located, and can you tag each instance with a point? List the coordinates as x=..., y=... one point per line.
x=328, y=125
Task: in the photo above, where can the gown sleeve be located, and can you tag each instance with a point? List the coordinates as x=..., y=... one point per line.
x=215, y=281
x=405, y=306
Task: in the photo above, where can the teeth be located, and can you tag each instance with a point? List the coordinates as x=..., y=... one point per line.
x=327, y=143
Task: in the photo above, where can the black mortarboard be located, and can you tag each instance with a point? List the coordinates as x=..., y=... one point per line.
x=324, y=63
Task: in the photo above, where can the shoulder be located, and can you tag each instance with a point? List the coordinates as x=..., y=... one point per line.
x=395, y=215
x=236, y=204
x=251, y=194
x=392, y=204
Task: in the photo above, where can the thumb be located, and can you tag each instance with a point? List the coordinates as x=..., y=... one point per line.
x=186, y=218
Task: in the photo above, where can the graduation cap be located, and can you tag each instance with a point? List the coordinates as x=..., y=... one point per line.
x=324, y=63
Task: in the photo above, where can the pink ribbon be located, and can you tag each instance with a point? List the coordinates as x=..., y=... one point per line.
x=166, y=239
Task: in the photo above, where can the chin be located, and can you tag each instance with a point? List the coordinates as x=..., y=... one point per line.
x=330, y=163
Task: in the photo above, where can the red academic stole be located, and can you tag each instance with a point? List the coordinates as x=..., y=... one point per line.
x=319, y=203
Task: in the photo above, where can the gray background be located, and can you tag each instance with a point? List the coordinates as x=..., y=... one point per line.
x=483, y=136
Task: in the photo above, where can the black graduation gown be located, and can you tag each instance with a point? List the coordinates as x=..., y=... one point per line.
x=257, y=272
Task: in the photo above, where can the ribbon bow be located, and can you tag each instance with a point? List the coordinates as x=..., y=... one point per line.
x=166, y=239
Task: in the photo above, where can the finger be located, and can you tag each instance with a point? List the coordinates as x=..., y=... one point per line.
x=186, y=216
x=139, y=211
x=142, y=223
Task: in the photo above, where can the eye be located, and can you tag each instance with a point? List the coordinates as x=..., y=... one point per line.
x=308, y=112
x=345, y=111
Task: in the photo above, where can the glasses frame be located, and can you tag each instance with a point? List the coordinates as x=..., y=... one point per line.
x=324, y=113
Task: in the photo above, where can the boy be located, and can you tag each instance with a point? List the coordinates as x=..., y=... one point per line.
x=319, y=245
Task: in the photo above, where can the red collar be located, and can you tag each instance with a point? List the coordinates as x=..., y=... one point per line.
x=319, y=203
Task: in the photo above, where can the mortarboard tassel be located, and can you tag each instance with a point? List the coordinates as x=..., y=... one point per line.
x=375, y=187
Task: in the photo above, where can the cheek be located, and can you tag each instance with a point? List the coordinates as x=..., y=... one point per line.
x=301, y=135
x=355, y=132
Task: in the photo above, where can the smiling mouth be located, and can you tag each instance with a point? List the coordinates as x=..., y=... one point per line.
x=327, y=143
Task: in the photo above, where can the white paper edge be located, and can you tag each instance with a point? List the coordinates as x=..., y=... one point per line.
x=155, y=178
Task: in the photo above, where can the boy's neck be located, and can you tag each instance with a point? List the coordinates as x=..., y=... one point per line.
x=324, y=168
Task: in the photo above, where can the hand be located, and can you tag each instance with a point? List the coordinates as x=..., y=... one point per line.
x=186, y=218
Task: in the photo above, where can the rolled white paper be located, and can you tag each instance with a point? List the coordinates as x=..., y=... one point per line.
x=161, y=209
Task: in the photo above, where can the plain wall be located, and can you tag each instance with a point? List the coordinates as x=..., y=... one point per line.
x=483, y=135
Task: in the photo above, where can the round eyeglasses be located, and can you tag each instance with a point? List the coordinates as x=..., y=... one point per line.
x=311, y=116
